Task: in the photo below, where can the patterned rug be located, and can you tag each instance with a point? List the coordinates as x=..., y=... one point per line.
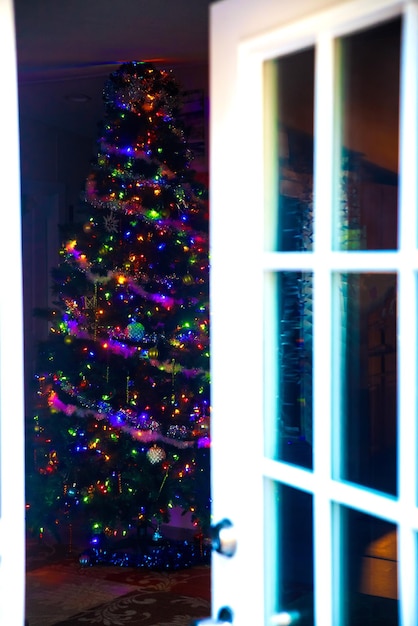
x=144, y=609
x=60, y=592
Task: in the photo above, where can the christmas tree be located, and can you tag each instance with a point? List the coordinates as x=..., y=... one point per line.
x=121, y=431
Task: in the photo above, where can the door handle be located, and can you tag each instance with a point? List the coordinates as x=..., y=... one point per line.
x=225, y=616
x=223, y=538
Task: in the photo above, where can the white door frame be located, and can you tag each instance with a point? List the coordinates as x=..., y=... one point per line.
x=12, y=486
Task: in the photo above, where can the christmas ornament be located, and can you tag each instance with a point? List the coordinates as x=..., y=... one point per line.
x=111, y=223
x=156, y=454
x=84, y=559
x=153, y=352
x=164, y=212
x=135, y=331
x=187, y=279
x=89, y=302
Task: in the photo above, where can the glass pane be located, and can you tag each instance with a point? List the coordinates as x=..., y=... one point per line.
x=289, y=420
x=369, y=120
x=295, y=98
x=369, y=379
x=370, y=564
x=291, y=561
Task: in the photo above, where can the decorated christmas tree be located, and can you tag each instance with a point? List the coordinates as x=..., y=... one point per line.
x=121, y=431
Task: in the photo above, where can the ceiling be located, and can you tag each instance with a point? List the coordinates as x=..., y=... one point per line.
x=67, y=49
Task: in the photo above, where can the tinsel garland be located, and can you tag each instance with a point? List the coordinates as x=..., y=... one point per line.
x=131, y=85
x=121, y=348
x=130, y=281
x=144, y=435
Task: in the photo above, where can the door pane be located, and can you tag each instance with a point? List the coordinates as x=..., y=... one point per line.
x=368, y=152
x=292, y=561
x=370, y=570
x=288, y=342
x=295, y=98
x=369, y=379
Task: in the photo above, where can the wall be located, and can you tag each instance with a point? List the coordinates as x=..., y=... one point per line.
x=54, y=164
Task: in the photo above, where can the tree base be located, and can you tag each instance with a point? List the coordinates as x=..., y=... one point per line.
x=159, y=555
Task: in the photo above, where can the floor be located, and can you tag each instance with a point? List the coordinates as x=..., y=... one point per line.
x=56, y=592
x=59, y=586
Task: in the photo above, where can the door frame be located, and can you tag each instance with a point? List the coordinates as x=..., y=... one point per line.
x=12, y=478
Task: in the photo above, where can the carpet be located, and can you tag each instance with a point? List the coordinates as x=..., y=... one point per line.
x=144, y=609
x=60, y=592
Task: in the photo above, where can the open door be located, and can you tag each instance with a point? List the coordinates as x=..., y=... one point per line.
x=314, y=311
x=12, y=500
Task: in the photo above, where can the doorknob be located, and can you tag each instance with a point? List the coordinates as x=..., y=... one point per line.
x=223, y=538
x=224, y=617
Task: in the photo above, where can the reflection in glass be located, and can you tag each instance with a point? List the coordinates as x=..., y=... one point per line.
x=369, y=380
x=295, y=98
x=369, y=121
x=370, y=589
x=293, y=558
x=292, y=349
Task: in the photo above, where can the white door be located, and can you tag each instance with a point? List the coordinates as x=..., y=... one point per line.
x=314, y=310
x=12, y=500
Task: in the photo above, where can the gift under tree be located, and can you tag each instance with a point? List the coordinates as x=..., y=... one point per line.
x=121, y=432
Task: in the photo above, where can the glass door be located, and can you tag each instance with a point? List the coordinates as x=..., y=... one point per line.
x=314, y=336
